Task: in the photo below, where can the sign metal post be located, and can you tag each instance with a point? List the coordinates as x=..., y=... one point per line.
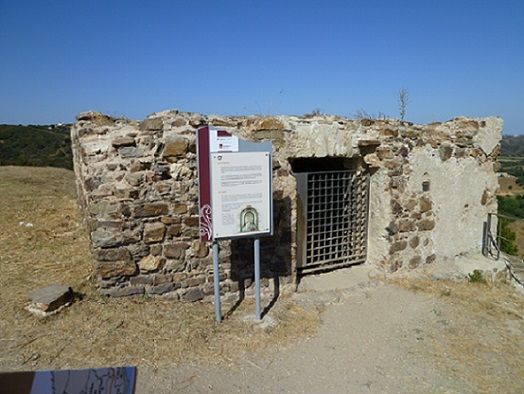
x=257, y=279
x=216, y=281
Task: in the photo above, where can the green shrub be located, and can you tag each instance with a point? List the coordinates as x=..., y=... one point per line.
x=476, y=277
x=507, y=237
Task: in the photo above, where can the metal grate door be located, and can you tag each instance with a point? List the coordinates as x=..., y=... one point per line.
x=334, y=210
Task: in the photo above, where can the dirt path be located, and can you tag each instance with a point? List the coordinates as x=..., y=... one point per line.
x=374, y=338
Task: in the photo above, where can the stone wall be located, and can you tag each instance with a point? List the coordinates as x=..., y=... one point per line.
x=430, y=191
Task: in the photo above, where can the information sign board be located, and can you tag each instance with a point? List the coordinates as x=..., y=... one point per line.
x=241, y=194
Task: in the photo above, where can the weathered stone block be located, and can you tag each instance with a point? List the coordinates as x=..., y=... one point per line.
x=445, y=152
x=130, y=151
x=192, y=295
x=123, y=291
x=150, y=263
x=392, y=228
x=104, y=238
x=425, y=204
x=107, y=269
x=175, y=250
x=179, y=122
x=414, y=242
x=406, y=225
x=195, y=281
x=51, y=298
x=175, y=147
x=138, y=250
x=175, y=266
x=180, y=208
x=156, y=250
x=151, y=209
x=414, y=262
x=154, y=232
x=426, y=224
x=134, y=178
x=411, y=204
x=431, y=258
x=398, y=246
x=112, y=254
x=106, y=209
x=123, y=141
x=151, y=124
x=175, y=230
x=161, y=289
x=192, y=221
x=170, y=219
x=199, y=249
x=141, y=280
x=161, y=278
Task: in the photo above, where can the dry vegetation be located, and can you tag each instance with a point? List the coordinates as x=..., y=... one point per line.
x=508, y=186
x=478, y=335
x=97, y=331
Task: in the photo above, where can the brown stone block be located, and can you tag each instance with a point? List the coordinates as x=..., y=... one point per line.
x=414, y=242
x=150, y=263
x=176, y=250
x=175, y=147
x=192, y=221
x=414, y=262
x=388, y=132
x=152, y=124
x=398, y=246
x=151, y=209
x=200, y=249
x=154, y=232
x=431, y=258
x=425, y=204
x=175, y=230
x=180, y=208
x=406, y=225
x=123, y=141
x=107, y=269
x=426, y=225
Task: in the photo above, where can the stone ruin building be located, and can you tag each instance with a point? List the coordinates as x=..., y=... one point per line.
x=388, y=193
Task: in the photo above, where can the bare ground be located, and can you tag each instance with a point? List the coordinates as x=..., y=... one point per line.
x=341, y=333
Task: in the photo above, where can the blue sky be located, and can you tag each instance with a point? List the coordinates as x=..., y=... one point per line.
x=132, y=58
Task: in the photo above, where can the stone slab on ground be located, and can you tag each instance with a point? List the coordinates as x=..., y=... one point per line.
x=50, y=299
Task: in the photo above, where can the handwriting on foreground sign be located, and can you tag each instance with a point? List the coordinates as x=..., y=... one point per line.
x=241, y=199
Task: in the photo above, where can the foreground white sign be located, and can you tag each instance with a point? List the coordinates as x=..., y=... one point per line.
x=241, y=194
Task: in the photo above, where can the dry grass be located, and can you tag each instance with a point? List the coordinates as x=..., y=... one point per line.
x=96, y=331
x=508, y=186
x=477, y=336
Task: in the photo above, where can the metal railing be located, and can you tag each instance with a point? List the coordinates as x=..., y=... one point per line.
x=492, y=242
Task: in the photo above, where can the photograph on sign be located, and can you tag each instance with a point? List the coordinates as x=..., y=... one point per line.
x=222, y=141
x=241, y=194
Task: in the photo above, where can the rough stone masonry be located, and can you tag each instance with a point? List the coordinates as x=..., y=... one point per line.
x=431, y=188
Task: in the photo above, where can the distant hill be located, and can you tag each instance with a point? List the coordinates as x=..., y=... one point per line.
x=512, y=145
x=34, y=145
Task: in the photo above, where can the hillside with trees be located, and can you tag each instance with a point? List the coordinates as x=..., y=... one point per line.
x=34, y=145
